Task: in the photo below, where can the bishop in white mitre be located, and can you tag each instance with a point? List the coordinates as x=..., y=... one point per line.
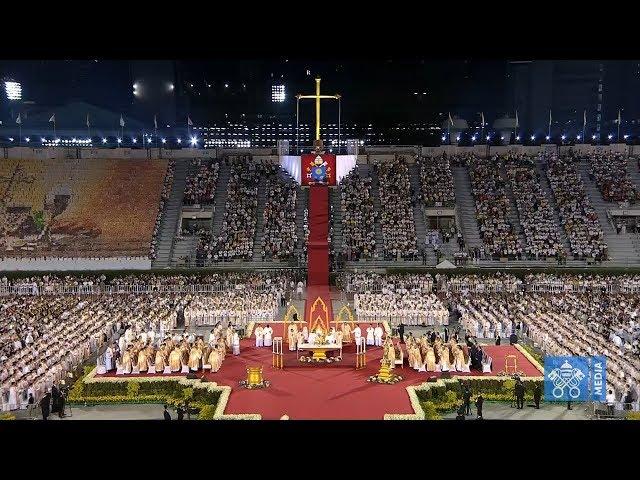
x=370, y=339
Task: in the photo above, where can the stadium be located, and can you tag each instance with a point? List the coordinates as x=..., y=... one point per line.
x=280, y=256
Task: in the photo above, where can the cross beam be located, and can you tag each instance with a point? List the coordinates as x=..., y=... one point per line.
x=318, y=97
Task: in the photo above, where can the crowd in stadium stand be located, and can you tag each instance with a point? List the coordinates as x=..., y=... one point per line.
x=436, y=181
x=610, y=172
x=396, y=215
x=358, y=216
x=578, y=218
x=239, y=225
x=534, y=209
x=164, y=197
x=280, y=217
x=492, y=207
x=200, y=188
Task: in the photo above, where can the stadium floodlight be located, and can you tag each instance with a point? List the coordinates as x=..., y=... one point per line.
x=501, y=138
x=517, y=138
x=73, y=140
x=194, y=141
x=563, y=137
x=533, y=137
x=444, y=138
x=547, y=137
x=578, y=137
x=104, y=140
x=473, y=139
x=179, y=140
x=226, y=85
x=277, y=93
x=149, y=140
x=458, y=138
x=164, y=140
x=593, y=137
x=119, y=140
x=625, y=136
x=11, y=139
x=43, y=140
x=488, y=137
x=171, y=87
x=27, y=139
x=13, y=90
x=609, y=136
x=135, y=140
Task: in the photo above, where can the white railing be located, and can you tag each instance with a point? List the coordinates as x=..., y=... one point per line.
x=127, y=289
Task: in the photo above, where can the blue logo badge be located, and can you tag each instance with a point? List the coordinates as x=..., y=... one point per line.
x=577, y=379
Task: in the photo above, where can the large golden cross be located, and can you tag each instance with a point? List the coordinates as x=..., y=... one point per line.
x=318, y=97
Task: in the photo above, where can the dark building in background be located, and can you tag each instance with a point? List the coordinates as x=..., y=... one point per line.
x=568, y=88
x=155, y=91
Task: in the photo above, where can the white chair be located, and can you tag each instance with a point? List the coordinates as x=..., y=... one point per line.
x=119, y=370
x=167, y=370
x=101, y=370
x=135, y=371
x=206, y=366
x=486, y=367
x=185, y=369
x=151, y=369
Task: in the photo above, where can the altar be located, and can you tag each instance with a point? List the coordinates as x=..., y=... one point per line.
x=319, y=350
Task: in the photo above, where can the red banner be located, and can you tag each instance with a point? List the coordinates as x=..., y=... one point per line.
x=318, y=169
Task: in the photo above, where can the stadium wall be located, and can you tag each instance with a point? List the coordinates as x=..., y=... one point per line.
x=73, y=264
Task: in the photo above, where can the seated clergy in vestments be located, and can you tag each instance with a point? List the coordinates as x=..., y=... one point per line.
x=160, y=362
x=142, y=360
x=175, y=360
x=194, y=359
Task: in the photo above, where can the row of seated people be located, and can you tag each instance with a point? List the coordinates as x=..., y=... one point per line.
x=72, y=208
x=408, y=308
x=369, y=282
x=200, y=187
x=45, y=338
x=427, y=355
x=396, y=210
x=534, y=208
x=169, y=354
x=436, y=182
x=280, y=238
x=235, y=306
x=566, y=325
x=577, y=215
x=610, y=172
x=167, y=185
x=358, y=216
x=493, y=208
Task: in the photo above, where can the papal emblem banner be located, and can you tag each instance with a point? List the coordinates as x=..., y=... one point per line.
x=577, y=379
x=318, y=169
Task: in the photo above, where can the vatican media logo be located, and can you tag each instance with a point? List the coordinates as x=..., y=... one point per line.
x=578, y=379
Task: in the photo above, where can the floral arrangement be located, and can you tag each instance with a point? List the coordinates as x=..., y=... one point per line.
x=310, y=359
x=392, y=379
x=253, y=386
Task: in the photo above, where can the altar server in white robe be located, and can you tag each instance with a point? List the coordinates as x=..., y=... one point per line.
x=151, y=335
x=305, y=333
x=235, y=343
x=108, y=358
x=370, y=335
x=122, y=343
x=357, y=333
x=143, y=338
x=268, y=332
x=377, y=334
x=259, y=336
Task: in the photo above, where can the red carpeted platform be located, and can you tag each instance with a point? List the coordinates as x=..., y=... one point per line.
x=328, y=391
x=318, y=245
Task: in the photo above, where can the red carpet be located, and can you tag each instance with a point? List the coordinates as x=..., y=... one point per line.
x=318, y=245
x=330, y=391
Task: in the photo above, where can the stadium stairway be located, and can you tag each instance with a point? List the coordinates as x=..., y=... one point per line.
x=367, y=171
x=512, y=214
x=171, y=216
x=548, y=193
x=220, y=199
x=418, y=214
x=634, y=172
x=258, y=241
x=621, y=246
x=466, y=208
x=336, y=236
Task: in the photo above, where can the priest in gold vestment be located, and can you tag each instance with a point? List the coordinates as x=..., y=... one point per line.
x=160, y=360
x=175, y=360
x=194, y=359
